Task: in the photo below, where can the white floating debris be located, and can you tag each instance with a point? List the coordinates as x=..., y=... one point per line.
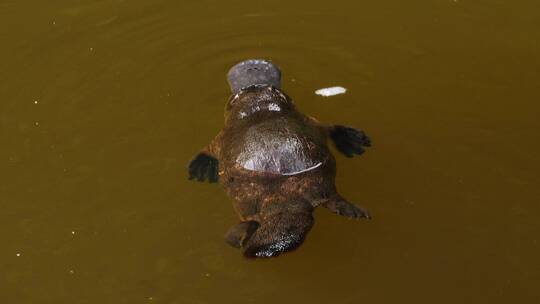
x=35, y=102
x=73, y=232
x=18, y=254
x=331, y=91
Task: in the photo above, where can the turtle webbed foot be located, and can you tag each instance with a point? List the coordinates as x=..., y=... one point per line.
x=240, y=233
x=341, y=207
x=203, y=166
x=349, y=141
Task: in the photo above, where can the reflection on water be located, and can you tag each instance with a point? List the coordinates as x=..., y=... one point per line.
x=104, y=102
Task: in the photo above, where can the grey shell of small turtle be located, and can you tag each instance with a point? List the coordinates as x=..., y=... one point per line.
x=278, y=146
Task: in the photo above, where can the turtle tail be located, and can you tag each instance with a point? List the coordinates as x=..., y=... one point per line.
x=278, y=233
x=253, y=72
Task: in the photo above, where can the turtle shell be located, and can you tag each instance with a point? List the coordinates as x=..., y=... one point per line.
x=279, y=146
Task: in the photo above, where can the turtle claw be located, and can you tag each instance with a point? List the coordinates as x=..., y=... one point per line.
x=203, y=166
x=349, y=141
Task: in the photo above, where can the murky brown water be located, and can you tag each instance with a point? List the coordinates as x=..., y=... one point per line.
x=102, y=103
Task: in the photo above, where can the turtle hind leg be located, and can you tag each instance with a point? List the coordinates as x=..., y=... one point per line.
x=240, y=233
x=203, y=166
x=340, y=206
x=349, y=141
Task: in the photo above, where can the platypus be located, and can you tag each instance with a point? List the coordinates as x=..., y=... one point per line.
x=274, y=162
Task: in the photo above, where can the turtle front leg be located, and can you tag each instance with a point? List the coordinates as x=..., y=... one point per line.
x=205, y=165
x=348, y=141
x=340, y=206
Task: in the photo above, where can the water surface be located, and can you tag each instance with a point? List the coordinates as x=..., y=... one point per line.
x=102, y=103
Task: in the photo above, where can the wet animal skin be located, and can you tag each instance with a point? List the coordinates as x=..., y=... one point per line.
x=274, y=162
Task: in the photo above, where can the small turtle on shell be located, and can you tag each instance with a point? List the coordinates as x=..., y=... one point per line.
x=274, y=162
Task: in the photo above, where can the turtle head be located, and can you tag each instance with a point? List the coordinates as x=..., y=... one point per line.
x=253, y=72
x=282, y=229
x=255, y=87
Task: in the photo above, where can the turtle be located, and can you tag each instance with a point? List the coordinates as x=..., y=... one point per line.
x=274, y=162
